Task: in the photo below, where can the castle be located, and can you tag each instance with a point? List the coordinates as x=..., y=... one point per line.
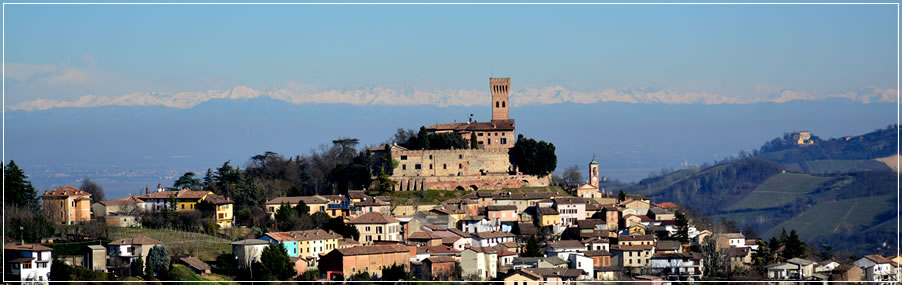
x=486, y=167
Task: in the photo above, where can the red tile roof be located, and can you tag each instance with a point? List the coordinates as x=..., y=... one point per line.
x=27, y=247
x=373, y=249
x=65, y=191
x=494, y=125
x=373, y=218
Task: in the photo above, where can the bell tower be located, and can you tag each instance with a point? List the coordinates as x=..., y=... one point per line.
x=593, y=173
x=500, y=94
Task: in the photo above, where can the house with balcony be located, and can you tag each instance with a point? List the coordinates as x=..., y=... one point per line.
x=676, y=266
x=125, y=252
x=26, y=262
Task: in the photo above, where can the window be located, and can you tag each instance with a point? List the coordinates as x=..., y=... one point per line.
x=403, y=157
x=42, y=265
x=430, y=166
x=26, y=265
x=444, y=166
x=497, y=104
x=61, y=204
x=403, y=166
x=460, y=166
x=430, y=156
x=503, y=105
x=221, y=215
x=417, y=166
x=503, y=140
x=479, y=134
x=460, y=156
x=367, y=228
x=490, y=141
x=73, y=203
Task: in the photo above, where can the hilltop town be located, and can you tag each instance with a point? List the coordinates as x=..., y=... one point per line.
x=456, y=201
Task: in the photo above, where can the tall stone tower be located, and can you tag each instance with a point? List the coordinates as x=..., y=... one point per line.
x=593, y=173
x=500, y=94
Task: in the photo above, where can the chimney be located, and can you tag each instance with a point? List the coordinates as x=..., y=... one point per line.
x=146, y=190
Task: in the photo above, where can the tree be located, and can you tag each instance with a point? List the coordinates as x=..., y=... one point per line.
x=286, y=216
x=621, y=196
x=275, y=263
x=572, y=176
x=473, y=143
x=338, y=226
x=682, y=226
x=17, y=190
x=59, y=271
x=396, y=272
x=187, y=180
x=532, y=248
x=795, y=247
x=158, y=260
x=92, y=188
x=533, y=158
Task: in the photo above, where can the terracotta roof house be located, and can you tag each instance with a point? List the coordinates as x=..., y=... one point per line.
x=67, y=205
x=371, y=259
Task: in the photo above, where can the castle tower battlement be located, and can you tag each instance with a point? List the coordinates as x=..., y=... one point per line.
x=500, y=97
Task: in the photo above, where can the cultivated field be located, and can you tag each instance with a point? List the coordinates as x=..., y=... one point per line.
x=779, y=190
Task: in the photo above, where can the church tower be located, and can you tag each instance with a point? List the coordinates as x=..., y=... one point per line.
x=500, y=93
x=593, y=173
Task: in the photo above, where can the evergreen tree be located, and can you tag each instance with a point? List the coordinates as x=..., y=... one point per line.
x=532, y=248
x=473, y=143
x=158, y=261
x=621, y=197
x=682, y=227
x=17, y=190
x=276, y=265
x=795, y=247
x=533, y=158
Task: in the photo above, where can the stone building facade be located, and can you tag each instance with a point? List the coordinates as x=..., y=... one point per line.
x=487, y=167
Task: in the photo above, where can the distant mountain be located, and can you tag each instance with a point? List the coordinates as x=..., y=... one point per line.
x=832, y=192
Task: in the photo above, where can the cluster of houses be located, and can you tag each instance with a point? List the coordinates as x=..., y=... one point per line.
x=593, y=235
x=68, y=205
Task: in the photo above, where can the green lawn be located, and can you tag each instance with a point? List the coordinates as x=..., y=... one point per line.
x=207, y=247
x=826, y=218
x=779, y=190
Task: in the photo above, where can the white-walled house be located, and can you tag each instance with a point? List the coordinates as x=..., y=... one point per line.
x=491, y=239
x=876, y=268
x=27, y=262
x=479, y=263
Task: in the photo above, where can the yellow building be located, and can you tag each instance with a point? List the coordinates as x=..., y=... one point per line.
x=315, y=243
x=187, y=199
x=225, y=217
x=315, y=203
x=67, y=205
x=548, y=216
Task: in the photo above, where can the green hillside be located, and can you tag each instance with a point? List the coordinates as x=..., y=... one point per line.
x=840, y=217
x=205, y=247
x=779, y=190
x=832, y=192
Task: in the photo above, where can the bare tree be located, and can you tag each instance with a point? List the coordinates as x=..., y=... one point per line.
x=572, y=176
x=92, y=188
x=402, y=136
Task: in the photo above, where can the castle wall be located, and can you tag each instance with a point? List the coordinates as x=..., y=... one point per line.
x=478, y=182
x=464, y=162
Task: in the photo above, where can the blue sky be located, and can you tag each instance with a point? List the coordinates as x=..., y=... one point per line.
x=99, y=73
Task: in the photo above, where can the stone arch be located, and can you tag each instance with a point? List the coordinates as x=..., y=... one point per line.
x=459, y=188
x=486, y=187
x=474, y=188
x=524, y=183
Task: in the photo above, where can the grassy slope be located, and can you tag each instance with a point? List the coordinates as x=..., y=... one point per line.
x=208, y=246
x=654, y=185
x=779, y=190
x=836, y=217
x=183, y=273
